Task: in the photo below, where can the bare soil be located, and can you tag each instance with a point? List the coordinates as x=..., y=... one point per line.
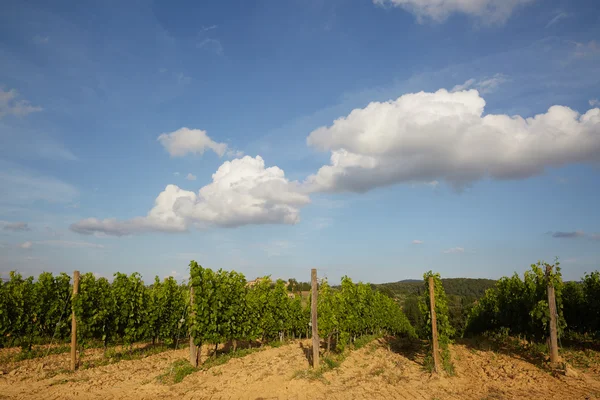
x=383, y=369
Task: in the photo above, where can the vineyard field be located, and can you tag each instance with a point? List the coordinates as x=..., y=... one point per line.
x=133, y=339
x=383, y=369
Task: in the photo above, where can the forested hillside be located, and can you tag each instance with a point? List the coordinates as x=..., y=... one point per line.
x=461, y=295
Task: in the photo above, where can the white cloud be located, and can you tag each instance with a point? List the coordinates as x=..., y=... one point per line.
x=594, y=102
x=485, y=85
x=557, y=18
x=421, y=137
x=195, y=141
x=176, y=173
x=242, y=192
x=15, y=226
x=416, y=241
x=211, y=44
x=492, y=11
x=190, y=177
x=454, y=250
x=9, y=105
x=26, y=245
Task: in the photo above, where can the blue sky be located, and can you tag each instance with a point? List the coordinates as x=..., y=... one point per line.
x=114, y=118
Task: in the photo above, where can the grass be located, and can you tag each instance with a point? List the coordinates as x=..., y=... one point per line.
x=224, y=358
x=177, y=371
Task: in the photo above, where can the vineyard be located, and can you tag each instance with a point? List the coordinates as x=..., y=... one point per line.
x=227, y=317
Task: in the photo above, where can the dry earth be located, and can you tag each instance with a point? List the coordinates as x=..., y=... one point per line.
x=380, y=370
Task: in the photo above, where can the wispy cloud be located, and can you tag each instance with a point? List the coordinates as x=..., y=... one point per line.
x=9, y=105
x=190, y=177
x=18, y=186
x=70, y=244
x=38, y=39
x=567, y=235
x=454, y=250
x=557, y=18
x=277, y=247
x=484, y=85
x=26, y=245
x=183, y=79
x=212, y=45
x=208, y=28
x=15, y=226
x=416, y=241
x=594, y=102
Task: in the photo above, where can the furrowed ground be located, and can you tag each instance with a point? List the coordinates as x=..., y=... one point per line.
x=383, y=369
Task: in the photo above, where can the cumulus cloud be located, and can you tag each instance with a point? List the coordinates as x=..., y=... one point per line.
x=190, y=177
x=421, y=137
x=26, y=245
x=454, y=250
x=242, y=192
x=185, y=141
x=568, y=235
x=9, y=105
x=485, y=85
x=493, y=11
x=15, y=226
x=416, y=241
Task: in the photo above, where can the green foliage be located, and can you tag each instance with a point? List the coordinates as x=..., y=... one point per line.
x=132, y=300
x=95, y=309
x=167, y=310
x=521, y=306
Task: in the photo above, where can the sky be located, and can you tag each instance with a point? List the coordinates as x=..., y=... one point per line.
x=377, y=139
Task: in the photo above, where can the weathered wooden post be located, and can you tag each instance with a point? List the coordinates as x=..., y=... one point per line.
x=194, y=350
x=313, y=313
x=554, y=357
x=74, y=321
x=434, y=332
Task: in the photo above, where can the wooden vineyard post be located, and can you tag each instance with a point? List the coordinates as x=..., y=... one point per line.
x=313, y=314
x=554, y=357
x=194, y=351
x=74, y=321
x=434, y=332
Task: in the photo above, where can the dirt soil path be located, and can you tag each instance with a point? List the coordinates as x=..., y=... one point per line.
x=377, y=371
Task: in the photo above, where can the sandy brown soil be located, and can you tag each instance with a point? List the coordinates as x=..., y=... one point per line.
x=377, y=371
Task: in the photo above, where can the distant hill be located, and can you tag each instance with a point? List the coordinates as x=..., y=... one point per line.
x=466, y=287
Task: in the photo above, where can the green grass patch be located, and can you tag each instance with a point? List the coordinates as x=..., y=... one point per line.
x=176, y=372
x=224, y=358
